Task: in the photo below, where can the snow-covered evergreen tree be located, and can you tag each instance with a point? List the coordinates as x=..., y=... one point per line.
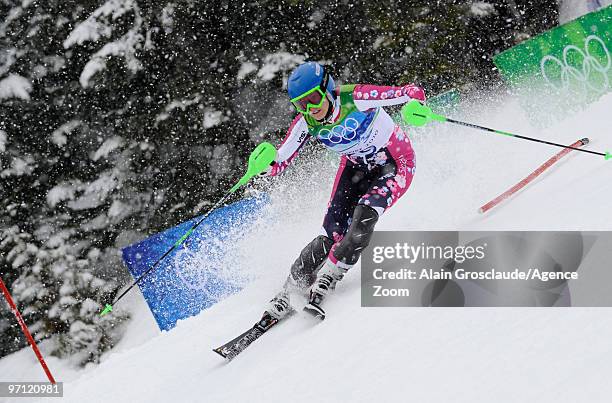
x=56, y=275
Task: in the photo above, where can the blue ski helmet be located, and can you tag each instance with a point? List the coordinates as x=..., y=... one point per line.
x=307, y=76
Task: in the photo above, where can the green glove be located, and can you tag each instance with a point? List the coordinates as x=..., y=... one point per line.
x=417, y=114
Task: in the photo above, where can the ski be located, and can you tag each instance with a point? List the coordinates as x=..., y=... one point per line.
x=315, y=310
x=234, y=347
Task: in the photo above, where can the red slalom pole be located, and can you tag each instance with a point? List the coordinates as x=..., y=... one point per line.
x=531, y=176
x=25, y=330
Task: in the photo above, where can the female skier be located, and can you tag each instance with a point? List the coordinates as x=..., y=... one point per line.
x=376, y=168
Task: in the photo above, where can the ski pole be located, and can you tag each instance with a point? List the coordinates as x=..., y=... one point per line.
x=259, y=160
x=416, y=114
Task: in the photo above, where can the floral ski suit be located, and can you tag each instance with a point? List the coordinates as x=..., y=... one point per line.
x=377, y=160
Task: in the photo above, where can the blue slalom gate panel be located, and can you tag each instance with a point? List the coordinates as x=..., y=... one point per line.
x=196, y=275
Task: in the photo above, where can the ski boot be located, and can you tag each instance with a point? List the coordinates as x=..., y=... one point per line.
x=280, y=305
x=327, y=278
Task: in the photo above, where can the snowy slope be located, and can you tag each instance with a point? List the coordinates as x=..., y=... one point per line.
x=23, y=366
x=398, y=354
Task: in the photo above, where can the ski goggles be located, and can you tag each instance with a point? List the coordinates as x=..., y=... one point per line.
x=313, y=98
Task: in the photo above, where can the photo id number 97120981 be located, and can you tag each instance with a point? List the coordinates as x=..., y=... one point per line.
x=33, y=389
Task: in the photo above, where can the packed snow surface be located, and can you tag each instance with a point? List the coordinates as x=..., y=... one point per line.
x=391, y=354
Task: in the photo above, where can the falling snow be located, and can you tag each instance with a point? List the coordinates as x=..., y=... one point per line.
x=121, y=118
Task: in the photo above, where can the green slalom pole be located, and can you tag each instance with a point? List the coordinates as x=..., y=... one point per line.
x=260, y=159
x=416, y=114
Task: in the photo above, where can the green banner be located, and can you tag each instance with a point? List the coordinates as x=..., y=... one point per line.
x=562, y=69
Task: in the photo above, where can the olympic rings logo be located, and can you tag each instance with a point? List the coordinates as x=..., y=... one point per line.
x=194, y=279
x=591, y=68
x=338, y=133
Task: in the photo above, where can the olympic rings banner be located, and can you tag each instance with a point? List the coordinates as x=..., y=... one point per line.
x=570, y=64
x=202, y=271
